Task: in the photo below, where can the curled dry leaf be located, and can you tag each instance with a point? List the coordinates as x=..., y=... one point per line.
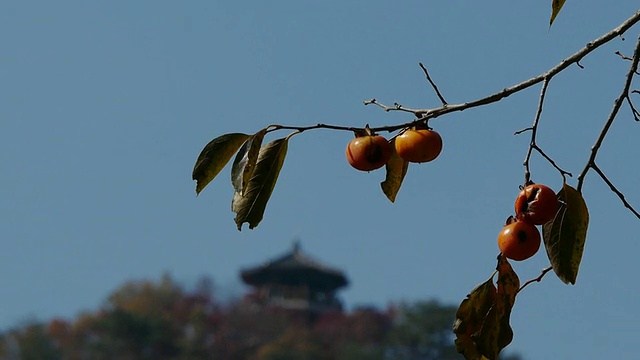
x=396, y=169
x=470, y=318
x=482, y=321
x=245, y=162
x=250, y=205
x=215, y=155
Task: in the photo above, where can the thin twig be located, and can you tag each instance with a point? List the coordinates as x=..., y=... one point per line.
x=573, y=59
x=624, y=57
x=523, y=130
x=615, y=190
x=534, y=131
x=387, y=108
x=591, y=163
x=636, y=114
x=433, y=85
x=538, y=279
x=390, y=128
x=550, y=160
x=425, y=114
x=532, y=144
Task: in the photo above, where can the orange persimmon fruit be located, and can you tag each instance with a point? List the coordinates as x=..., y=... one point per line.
x=418, y=145
x=537, y=204
x=519, y=240
x=369, y=152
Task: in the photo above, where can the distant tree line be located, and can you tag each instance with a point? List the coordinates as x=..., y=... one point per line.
x=162, y=320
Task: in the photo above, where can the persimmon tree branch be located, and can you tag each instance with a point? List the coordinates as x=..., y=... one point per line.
x=591, y=162
x=537, y=279
x=433, y=85
x=389, y=128
x=534, y=131
x=634, y=111
x=423, y=115
x=615, y=190
x=636, y=114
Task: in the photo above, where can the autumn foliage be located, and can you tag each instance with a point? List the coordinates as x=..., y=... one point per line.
x=162, y=320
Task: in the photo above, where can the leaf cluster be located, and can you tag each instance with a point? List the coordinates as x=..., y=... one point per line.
x=482, y=321
x=254, y=172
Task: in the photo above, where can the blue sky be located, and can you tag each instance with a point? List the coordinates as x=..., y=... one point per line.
x=104, y=107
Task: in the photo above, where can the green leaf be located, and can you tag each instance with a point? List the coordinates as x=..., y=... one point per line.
x=245, y=162
x=556, y=5
x=214, y=157
x=565, y=236
x=470, y=318
x=396, y=169
x=250, y=207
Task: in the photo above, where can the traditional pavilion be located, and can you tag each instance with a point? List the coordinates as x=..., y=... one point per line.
x=294, y=281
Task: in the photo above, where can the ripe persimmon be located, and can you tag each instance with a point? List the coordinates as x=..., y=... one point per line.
x=418, y=145
x=519, y=240
x=368, y=152
x=537, y=204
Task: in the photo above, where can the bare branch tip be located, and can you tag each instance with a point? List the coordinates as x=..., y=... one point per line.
x=537, y=279
x=523, y=131
x=624, y=57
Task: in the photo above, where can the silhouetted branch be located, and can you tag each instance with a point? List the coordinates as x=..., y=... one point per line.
x=624, y=95
x=550, y=160
x=395, y=106
x=534, y=131
x=433, y=85
x=615, y=190
x=624, y=57
x=573, y=59
x=537, y=279
x=423, y=115
x=523, y=130
x=636, y=114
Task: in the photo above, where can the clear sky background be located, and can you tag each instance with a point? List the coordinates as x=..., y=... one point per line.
x=105, y=105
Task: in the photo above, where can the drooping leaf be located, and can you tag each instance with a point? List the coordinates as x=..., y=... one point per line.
x=556, y=6
x=250, y=207
x=215, y=155
x=396, y=169
x=482, y=326
x=471, y=317
x=565, y=236
x=245, y=162
x=496, y=332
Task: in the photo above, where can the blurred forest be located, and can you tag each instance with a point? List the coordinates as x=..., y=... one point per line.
x=164, y=320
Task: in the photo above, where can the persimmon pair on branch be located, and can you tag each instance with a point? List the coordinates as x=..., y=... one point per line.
x=535, y=205
x=369, y=151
